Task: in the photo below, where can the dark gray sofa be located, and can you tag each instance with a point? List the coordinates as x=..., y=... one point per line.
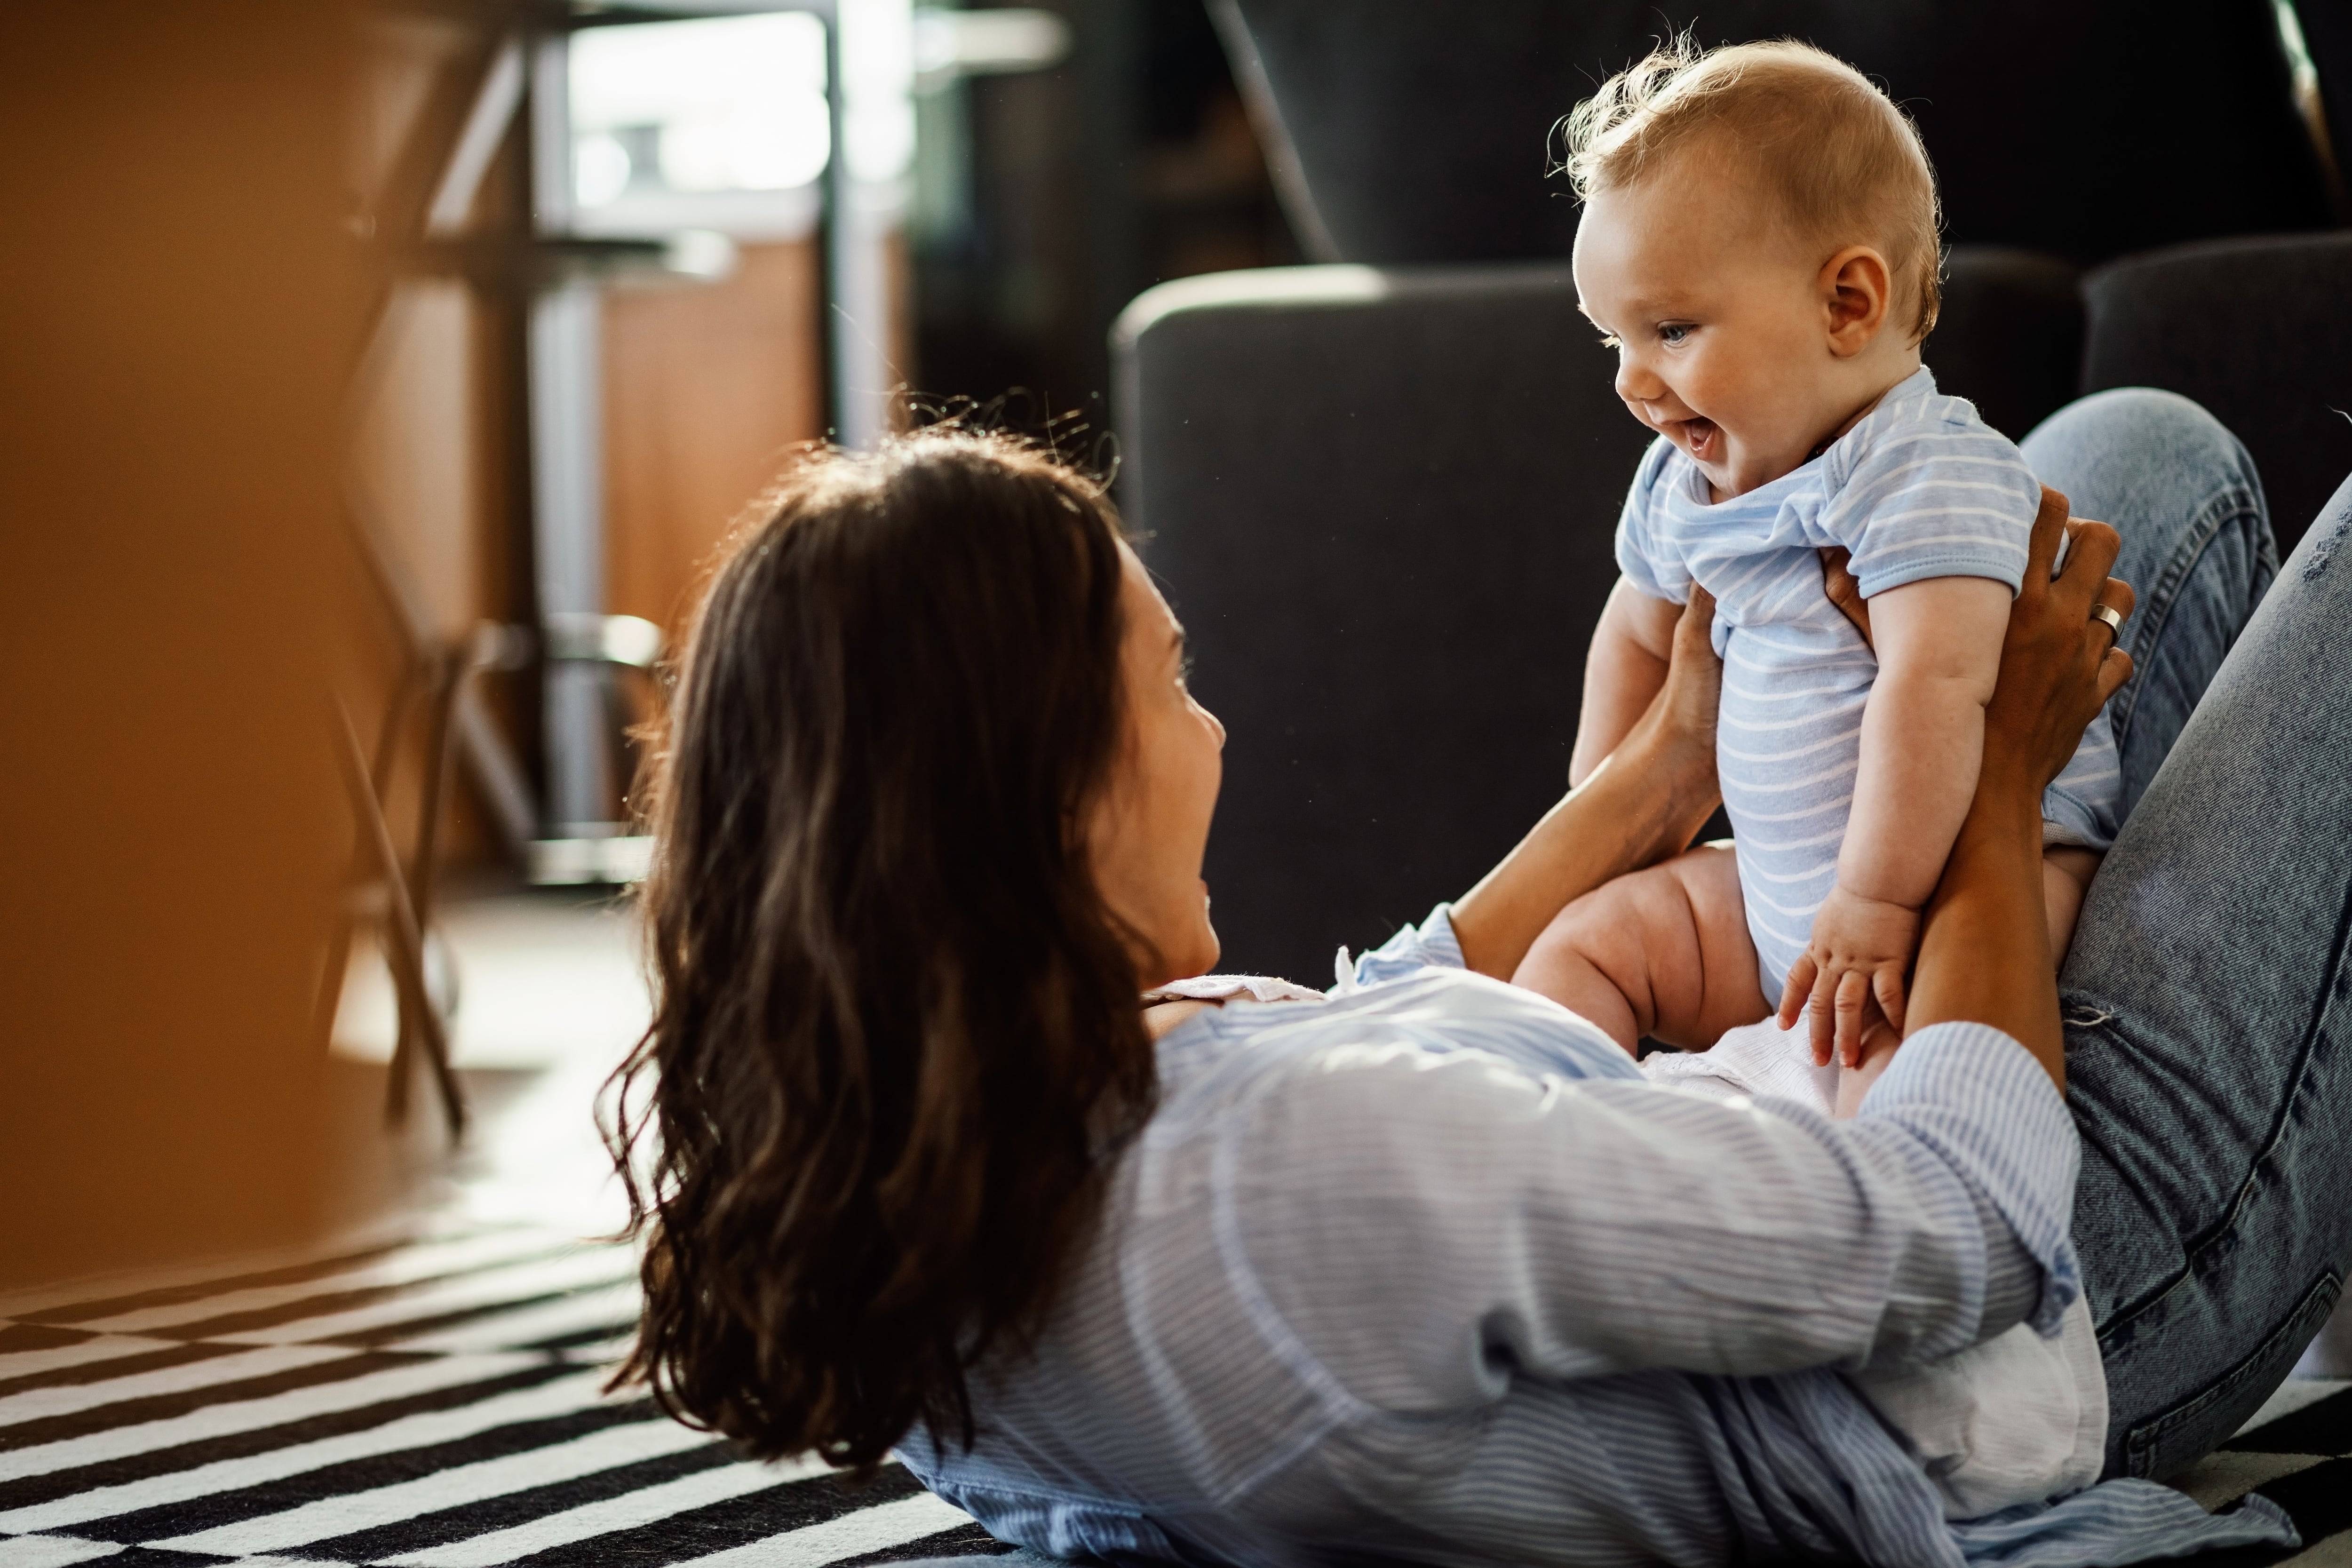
x=1382, y=500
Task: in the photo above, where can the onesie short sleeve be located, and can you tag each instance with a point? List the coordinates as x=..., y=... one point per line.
x=1641, y=554
x=1934, y=491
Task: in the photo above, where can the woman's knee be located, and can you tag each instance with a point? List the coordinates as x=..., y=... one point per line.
x=2197, y=545
x=2119, y=425
x=2157, y=466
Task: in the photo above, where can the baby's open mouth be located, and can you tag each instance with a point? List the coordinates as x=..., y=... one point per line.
x=1700, y=437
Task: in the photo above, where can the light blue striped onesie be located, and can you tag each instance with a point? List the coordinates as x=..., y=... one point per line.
x=1921, y=487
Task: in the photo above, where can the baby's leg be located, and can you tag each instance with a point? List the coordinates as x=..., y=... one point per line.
x=2066, y=874
x=1878, y=1046
x=1663, y=952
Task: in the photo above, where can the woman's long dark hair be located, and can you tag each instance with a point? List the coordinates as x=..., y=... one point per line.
x=895, y=1040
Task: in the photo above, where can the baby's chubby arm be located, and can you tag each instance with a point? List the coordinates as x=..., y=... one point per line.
x=1939, y=645
x=1625, y=669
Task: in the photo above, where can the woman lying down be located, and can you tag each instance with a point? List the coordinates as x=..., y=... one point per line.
x=1426, y=1271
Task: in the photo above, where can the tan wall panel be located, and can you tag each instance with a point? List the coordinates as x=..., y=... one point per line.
x=178, y=301
x=706, y=389
x=415, y=447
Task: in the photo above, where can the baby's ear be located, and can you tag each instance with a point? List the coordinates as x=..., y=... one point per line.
x=1857, y=287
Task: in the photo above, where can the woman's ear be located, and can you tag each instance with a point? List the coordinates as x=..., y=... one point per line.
x=1854, y=293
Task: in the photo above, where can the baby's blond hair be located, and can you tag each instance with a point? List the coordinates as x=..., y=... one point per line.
x=1843, y=162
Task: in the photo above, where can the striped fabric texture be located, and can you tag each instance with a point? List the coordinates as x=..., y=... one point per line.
x=437, y=1404
x=1919, y=489
x=1427, y=1272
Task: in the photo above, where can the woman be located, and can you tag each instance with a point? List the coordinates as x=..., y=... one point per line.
x=1427, y=1272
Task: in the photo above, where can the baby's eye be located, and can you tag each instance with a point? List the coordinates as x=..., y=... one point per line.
x=1674, y=332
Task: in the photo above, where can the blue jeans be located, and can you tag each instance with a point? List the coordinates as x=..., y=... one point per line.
x=2207, y=999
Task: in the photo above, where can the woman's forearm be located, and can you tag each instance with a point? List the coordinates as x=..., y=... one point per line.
x=1984, y=955
x=1623, y=672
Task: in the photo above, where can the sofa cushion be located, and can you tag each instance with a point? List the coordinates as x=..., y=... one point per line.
x=2258, y=330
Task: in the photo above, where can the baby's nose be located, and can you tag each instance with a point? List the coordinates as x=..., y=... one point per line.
x=1636, y=384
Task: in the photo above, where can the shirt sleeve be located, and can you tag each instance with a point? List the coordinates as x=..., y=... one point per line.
x=1638, y=556
x=1428, y=1225
x=1934, y=497
x=1432, y=945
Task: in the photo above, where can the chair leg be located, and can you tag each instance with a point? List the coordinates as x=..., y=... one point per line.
x=387, y=734
x=328, y=1001
x=406, y=951
x=330, y=997
x=448, y=680
x=448, y=674
x=387, y=748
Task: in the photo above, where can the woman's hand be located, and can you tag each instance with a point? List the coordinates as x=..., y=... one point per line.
x=1985, y=955
x=1645, y=802
x=2058, y=665
x=1844, y=589
x=1680, y=724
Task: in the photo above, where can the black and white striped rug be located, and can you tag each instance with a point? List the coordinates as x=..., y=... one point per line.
x=433, y=1405
x=438, y=1403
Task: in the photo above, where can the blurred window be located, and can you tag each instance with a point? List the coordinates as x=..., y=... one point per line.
x=950, y=44
x=718, y=124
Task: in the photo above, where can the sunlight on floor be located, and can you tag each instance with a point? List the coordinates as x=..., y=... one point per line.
x=551, y=996
x=543, y=978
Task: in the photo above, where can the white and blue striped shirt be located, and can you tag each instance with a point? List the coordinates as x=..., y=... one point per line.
x=1428, y=1272
x=1919, y=488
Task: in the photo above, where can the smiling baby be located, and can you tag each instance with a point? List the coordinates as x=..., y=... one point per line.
x=1759, y=246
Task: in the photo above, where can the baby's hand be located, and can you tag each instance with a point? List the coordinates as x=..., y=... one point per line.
x=1860, y=948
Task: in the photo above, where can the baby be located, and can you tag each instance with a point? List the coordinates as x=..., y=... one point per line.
x=1759, y=246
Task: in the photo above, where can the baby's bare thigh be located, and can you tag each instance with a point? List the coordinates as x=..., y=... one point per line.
x=1674, y=941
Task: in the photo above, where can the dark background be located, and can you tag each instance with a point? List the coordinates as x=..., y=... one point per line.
x=1073, y=191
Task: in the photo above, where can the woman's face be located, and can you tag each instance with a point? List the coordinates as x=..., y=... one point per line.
x=1150, y=830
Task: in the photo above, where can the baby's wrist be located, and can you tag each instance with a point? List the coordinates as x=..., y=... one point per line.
x=1884, y=898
